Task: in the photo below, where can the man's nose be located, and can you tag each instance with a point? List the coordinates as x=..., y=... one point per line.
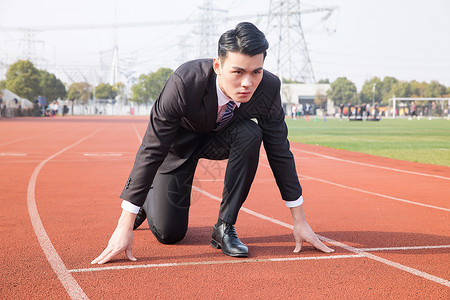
x=246, y=81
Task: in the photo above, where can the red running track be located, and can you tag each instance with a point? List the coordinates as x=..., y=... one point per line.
x=60, y=179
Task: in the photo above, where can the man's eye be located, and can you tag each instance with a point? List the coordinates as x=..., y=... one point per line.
x=237, y=72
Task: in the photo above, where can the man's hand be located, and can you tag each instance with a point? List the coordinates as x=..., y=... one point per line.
x=304, y=233
x=121, y=240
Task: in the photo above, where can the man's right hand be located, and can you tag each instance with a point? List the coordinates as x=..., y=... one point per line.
x=121, y=240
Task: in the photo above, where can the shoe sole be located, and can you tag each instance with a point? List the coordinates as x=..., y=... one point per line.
x=216, y=244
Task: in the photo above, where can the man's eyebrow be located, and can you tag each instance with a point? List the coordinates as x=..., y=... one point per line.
x=238, y=68
x=242, y=69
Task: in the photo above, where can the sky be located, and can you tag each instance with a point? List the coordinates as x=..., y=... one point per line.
x=405, y=39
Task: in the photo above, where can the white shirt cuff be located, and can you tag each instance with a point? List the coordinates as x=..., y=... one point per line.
x=130, y=207
x=295, y=203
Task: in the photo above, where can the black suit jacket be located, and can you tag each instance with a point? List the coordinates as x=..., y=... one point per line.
x=185, y=114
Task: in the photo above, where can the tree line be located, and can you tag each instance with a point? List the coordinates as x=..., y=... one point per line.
x=25, y=80
x=344, y=91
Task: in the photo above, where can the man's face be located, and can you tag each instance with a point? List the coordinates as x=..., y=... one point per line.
x=239, y=75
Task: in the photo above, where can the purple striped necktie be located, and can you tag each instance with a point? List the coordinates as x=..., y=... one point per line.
x=226, y=116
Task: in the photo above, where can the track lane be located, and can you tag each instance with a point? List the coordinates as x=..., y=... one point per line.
x=84, y=170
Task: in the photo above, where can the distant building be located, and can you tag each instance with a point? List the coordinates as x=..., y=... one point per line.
x=303, y=95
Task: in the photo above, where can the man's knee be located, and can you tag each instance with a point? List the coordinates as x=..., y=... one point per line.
x=250, y=132
x=169, y=235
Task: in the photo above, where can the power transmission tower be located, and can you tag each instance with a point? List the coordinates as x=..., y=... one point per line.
x=292, y=56
x=208, y=29
x=114, y=75
x=29, y=50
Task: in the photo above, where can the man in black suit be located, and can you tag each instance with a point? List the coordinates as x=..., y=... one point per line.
x=208, y=109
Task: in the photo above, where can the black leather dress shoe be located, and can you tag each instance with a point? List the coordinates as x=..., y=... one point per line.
x=140, y=218
x=224, y=237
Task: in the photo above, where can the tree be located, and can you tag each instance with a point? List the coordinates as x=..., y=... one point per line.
x=367, y=94
x=435, y=89
x=156, y=82
x=319, y=100
x=24, y=79
x=119, y=88
x=79, y=91
x=401, y=89
x=105, y=91
x=149, y=86
x=386, y=88
x=342, y=90
x=417, y=88
x=51, y=87
x=140, y=93
x=324, y=81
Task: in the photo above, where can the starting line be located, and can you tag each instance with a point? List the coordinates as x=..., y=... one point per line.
x=255, y=260
x=215, y=262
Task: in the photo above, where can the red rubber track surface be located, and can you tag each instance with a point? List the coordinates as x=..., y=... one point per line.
x=388, y=221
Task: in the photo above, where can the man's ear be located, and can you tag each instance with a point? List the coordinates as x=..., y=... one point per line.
x=216, y=66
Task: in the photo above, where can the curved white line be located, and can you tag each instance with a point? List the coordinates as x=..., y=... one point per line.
x=137, y=134
x=67, y=280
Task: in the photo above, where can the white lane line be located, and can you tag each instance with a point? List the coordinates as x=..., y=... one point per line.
x=341, y=245
x=47, y=133
x=379, y=195
x=137, y=134
x=405, y=248
x=216, y=262
x=336, y=243
x=389, y=262
x=103, y=154
x=66, y=279
x=333, y=242
x=13, y=154
x=370, y=193
x=370, y=165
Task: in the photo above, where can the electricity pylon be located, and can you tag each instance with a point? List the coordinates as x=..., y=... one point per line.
x=284, y=21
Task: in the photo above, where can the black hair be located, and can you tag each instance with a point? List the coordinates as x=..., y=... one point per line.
x=245, y=38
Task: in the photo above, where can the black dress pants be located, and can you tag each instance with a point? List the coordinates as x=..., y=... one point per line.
x=168, y=201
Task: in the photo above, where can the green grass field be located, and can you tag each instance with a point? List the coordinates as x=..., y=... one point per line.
x=424, y=141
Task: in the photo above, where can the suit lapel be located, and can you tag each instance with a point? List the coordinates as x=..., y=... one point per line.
x=210, y=102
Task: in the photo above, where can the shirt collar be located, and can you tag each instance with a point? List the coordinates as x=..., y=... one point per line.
x=222, y=99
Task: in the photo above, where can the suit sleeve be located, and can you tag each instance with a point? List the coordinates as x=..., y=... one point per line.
x=161, y=131
x=276, y=144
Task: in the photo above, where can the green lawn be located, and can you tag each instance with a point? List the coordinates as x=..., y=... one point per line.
x=424, y=141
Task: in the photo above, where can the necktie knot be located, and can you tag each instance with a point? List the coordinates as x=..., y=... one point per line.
x=227, y=115
x=230, y=105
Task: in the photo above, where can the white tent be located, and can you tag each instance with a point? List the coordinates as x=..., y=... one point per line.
x=9, y=100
